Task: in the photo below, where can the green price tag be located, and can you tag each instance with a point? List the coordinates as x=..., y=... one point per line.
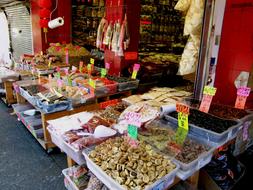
x=92, y=83
x=180, y=136
x=183, y=121
x=69, y=81
x=209, y=90
x=132, y=131
x=103, y=72
x=92, y=61
x=134, y=74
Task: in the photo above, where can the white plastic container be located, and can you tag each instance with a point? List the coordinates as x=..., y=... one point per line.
x=74, y=154
x=69, y=184
x=160, y=184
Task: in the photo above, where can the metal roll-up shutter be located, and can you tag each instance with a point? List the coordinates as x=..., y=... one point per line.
x=20, y=30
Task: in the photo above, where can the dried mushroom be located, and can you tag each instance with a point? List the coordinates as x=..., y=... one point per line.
x=133, y=168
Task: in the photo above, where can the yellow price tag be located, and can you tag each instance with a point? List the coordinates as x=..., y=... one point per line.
x=134, y=74
x=92, y=83
x=92, y=61
x=183, y=121
x=209, y=90
x=49, y=63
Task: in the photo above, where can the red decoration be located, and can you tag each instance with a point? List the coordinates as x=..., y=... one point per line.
x=44, y=23
x=45, y=13
x=45, y=3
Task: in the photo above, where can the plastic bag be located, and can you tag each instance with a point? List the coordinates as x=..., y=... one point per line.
x=183, y=5
x=86, y=142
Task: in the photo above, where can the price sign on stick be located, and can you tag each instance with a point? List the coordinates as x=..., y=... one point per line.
x=209, y=92
x=103, y=72
x=67, y=56
x=135, y=70
x=92, y=61
x=89, y=69
x=242, y=94
x=134, y=121
x=81, y=66
x=183, y=125
x=107, y=66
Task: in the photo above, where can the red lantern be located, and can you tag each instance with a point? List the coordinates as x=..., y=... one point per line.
x=45, y=13
x=44, y=23
x=45, y=3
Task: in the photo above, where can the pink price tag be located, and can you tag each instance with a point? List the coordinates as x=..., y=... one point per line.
x=133, y=118
x=205, y=103
x=58, y=48
x=58, y=69
x=66, y=71
x=136, y=67
x=60, y=83
x=107, y=66
x=243, y=91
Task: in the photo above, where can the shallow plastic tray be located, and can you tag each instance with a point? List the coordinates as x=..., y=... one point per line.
x=74, y=154
x=129, y=85
x=104, y=90
x=69, y=184
x=51, y=108
x=31, y=99
x=160, y=184
x=214, y=138
x=188, y=169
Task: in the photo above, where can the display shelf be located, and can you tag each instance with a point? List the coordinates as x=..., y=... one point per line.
x=29, y=123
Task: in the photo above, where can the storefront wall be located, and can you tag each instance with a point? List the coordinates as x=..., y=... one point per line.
x=236, y=49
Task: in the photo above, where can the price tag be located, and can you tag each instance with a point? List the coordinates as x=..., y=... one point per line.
x=49, y=63
x=103, y=72
x=58, y=69
x=135, y=70
x=107, y=66
x=59, y=83
x=134, y=75
x=243, y=91
x=103, y=105
x=209, y=90
x=89, y=69
x=58, y=75
x=69, y=81
x=92, y=83
x=182, y=108
x=133, y=118
x=180, y=136
x=240, y=102
x=81, y=66
x=132, y=131
x=205, y=103
x=242, y=94
x=183, y=120
x=67, y=56
x=92, y=61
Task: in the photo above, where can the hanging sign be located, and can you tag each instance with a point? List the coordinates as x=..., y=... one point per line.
x=135, y=70
x=242, y=94
x=92, y=83
x=209, y=92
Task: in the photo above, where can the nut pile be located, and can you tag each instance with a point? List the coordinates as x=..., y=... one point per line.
x=133, y=168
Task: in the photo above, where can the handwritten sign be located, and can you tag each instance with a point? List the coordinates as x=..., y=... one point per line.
x=135, y=70
x=133, y=118
x=89, y=69
x=92, y=83
x=209, y=90
x=103, y=72
x=205, y=103
x=243, y=91
x=49, y=63
x=132, y=131
x=242, y=94
x=183, y=125
x=104, y=105
x=182, y=108
x=107, y=66
x=92, y=61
